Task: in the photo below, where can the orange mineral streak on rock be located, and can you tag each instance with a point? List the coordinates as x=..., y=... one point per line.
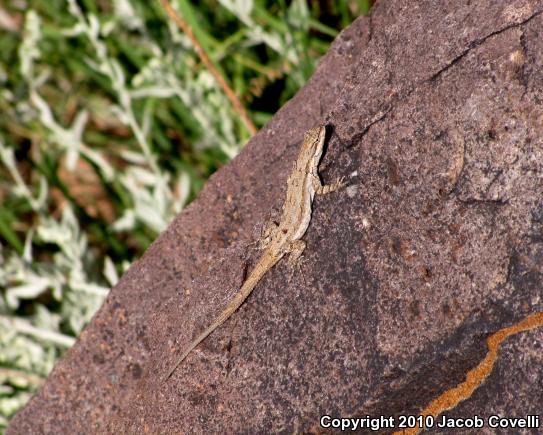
x=475, y=377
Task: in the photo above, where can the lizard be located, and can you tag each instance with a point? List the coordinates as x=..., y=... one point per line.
x=285, y=237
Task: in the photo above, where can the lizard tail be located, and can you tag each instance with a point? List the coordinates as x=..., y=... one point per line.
x=218, y=322
x=260, y=269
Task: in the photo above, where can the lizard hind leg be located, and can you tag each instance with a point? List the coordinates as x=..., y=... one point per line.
x=295, y=260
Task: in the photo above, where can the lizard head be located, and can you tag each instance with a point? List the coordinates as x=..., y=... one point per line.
x=314, y=143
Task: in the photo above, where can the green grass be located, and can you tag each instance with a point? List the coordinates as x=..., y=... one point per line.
x=110, y=125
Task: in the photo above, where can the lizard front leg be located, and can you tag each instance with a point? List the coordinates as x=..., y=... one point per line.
x=323, y=189
x=295, y=249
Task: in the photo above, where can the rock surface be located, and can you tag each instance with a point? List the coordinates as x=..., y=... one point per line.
x=437, y=243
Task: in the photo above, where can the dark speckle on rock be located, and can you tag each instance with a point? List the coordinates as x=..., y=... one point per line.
x=136, y=371
x=98, y=359
x=537, y=213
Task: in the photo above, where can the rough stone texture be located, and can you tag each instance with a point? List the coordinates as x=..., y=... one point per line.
x=436, y=243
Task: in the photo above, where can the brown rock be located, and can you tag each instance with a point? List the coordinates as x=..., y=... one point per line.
x=436, y=243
